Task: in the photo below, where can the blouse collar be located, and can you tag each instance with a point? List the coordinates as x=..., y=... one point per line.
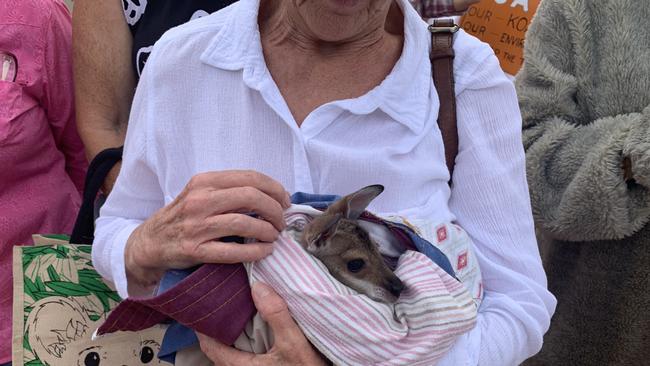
x=404, y=94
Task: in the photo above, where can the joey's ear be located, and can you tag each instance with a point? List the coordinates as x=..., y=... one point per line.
x=358, y=201
x=352, y=205
x=319, y=229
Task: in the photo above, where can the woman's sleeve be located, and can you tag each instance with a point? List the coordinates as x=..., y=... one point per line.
x=137, y=194
x=491, y=202
x=58, y=92
x=574, y=161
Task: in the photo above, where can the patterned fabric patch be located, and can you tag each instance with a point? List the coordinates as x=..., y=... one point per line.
x=441, y=233
x=457, y=246
x=462, y=261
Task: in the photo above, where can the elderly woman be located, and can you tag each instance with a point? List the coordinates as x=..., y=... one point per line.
x=108, y=65
x=264, y=97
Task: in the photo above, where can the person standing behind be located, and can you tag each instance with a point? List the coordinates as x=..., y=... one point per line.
x=584, y=93
x=41, y=155
x=112, y=41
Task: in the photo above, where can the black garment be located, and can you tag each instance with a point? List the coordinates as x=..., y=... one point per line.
x=148, y=20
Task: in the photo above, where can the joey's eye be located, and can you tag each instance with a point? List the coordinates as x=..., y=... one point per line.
x=355, y=265
x=146, y=354
x=92, y=359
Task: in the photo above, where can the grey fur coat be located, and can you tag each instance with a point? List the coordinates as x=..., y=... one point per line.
x=584, y=93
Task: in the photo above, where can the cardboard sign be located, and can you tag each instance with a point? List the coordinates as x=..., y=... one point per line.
x=503, y=25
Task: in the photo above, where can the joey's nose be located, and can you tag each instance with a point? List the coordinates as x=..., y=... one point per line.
x=395, y=286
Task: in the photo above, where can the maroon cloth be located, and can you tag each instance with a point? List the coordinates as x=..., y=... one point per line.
x=214, y=300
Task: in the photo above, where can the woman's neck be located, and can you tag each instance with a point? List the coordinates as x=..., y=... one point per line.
x=281, y=24
x=311, y=71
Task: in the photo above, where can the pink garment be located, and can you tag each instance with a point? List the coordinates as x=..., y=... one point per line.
x=42, y=162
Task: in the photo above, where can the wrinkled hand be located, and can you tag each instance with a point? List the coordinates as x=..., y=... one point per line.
x=462, y=5
x=211, y=206
x=290, y=348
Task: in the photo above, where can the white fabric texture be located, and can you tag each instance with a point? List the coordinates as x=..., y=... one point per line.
x=207, y=102
x=456, y=245
x=351, y=329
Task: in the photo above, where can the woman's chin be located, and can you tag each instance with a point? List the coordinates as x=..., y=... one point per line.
x=342, y=20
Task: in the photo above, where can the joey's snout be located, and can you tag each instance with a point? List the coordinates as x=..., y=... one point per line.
x=395, y=286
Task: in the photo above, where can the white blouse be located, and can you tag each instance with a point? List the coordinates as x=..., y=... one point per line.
x=207, y=102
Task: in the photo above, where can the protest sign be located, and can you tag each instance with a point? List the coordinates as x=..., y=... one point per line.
x=503, y=25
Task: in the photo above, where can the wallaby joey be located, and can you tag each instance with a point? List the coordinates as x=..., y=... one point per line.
x=337, y=240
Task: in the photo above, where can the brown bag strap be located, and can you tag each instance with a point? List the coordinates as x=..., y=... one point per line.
x=442, y=70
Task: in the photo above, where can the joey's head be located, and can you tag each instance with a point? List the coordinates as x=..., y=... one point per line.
x=345, y=248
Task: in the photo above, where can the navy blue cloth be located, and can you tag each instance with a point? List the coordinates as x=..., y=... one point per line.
x=319, y=201
x=179, y=337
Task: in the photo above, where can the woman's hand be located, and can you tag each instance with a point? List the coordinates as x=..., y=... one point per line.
x=290, y=348
x=211, y=206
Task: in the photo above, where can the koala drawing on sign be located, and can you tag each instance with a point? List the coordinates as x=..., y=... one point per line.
x=60, y=334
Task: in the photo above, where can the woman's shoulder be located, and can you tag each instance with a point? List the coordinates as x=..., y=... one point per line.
x=469, y=50
x=208, y=25
x=471, y=61
x=183, y=45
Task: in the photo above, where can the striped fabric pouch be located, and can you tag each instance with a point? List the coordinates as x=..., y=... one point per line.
x=351, y=329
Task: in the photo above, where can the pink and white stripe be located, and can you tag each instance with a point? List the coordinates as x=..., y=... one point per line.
x=351, y=329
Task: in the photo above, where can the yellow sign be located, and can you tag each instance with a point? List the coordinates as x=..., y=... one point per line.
x=503, y=25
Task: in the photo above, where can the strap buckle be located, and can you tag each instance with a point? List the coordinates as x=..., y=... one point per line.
x=443, y=29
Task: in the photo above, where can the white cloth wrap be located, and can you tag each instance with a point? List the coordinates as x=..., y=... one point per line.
x=351, y=329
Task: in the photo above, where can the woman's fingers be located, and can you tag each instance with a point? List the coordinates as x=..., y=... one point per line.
x=204, y=197
x=219, y=252
x=213, y=205
x=241, y=178
x=274, y=311
x=234, y=224
x=248, y=200
x=291, y=346
x=223, y=355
